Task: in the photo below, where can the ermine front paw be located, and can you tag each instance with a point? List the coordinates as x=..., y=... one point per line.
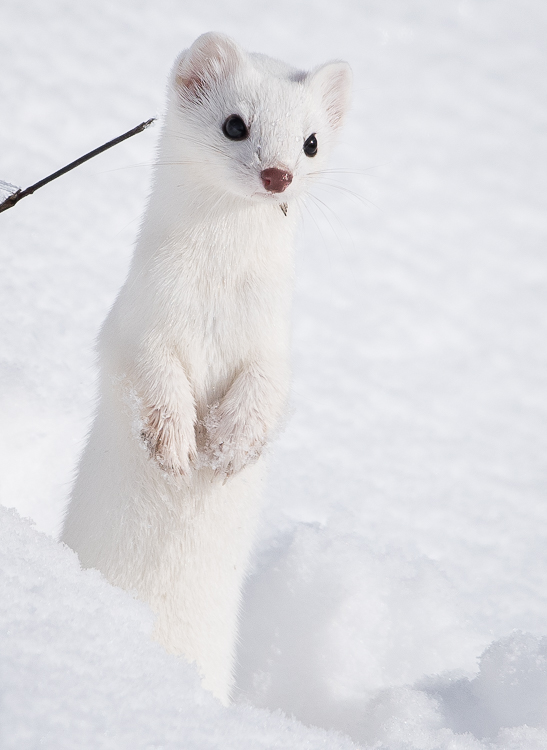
x=167, y=442
x=231, y=442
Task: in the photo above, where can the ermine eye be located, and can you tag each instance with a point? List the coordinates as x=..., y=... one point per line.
x=310, y=145
x=235, y=129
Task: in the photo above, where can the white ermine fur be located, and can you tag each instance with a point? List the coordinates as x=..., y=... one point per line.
x=194, y=366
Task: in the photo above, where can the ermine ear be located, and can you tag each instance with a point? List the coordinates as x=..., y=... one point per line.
x=210, y=58
x=333, y=80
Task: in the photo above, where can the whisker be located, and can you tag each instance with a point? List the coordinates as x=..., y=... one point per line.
x=151, y=164
x=326, y=247
x=131, y=221
x=319, y=203
x=188, y=139
x=350, y=192
x=347, y=171
x=302, y=203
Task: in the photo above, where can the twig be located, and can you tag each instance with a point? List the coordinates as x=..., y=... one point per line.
x=20, y=194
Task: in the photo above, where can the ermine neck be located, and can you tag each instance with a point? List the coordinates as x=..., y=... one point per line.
x=186, y=213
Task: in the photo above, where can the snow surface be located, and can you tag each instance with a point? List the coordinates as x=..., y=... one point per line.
x=399, y=588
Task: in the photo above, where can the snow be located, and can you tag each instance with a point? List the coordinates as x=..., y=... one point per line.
x=398, y=596
x=79, y=669
x=6, y=190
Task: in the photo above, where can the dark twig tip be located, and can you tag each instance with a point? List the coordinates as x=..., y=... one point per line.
x=14, y=198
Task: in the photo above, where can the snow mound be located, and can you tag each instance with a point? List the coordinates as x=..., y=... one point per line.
x=340, y=635
x=328, y=618
x=510, y=689
x=80, y=671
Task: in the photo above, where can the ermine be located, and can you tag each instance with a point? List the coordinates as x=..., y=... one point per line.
x=194, y=355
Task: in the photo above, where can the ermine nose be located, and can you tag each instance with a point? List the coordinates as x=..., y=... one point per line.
x=276, y=180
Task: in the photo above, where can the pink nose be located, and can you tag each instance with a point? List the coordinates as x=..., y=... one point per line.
x=276, y=180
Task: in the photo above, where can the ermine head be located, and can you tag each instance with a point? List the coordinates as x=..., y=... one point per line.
x=249, y=125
